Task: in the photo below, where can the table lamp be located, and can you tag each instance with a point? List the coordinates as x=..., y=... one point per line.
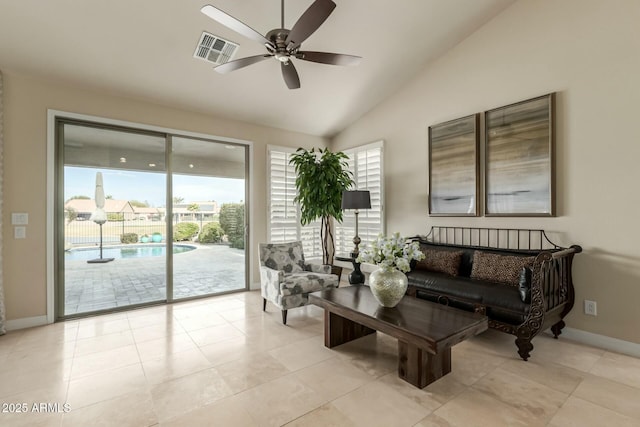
x=356, y=200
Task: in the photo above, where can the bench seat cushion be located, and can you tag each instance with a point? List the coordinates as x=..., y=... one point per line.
x=503, y=301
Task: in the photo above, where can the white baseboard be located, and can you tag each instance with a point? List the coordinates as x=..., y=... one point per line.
x=602, y=341
x=26, y=322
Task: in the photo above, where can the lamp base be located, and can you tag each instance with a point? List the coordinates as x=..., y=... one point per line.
x=356, y=250
x=356, y=277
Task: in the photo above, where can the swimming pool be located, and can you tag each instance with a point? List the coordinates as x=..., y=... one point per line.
x=122, y=252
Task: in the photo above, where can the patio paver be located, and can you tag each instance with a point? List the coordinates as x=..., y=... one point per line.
x=206, y=270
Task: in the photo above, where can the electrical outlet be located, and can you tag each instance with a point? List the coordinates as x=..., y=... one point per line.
x=20, y=232
x=590, y=308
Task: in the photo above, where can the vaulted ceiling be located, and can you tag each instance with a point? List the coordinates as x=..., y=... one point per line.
x=144, y=49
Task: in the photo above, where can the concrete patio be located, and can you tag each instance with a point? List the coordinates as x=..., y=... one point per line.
x=208, y=269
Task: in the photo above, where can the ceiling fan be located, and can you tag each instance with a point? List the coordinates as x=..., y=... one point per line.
x=283, y=44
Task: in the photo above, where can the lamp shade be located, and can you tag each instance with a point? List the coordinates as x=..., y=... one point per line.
x=356, y=200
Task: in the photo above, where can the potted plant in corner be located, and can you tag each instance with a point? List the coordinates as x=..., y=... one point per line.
x=322, y=176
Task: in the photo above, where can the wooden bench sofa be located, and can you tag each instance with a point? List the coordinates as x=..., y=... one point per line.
x=518, y=278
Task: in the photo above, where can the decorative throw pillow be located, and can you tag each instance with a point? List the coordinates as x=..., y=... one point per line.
x=524, y=285
x=499, y=268
x=447, y=262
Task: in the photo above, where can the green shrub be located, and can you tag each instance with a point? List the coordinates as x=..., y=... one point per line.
x=129, y=238
x=115, y=217
x=232, y=222
x=238, y=243
x=211, y=233
x=185, y=231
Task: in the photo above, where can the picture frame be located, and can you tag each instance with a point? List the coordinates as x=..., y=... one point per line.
x=454, y=166
x=520, y=158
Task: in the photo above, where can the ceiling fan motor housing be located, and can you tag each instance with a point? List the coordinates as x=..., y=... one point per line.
x=278, y=38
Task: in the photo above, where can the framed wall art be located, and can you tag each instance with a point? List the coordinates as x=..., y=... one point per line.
x=454, y=167
x=519, y=159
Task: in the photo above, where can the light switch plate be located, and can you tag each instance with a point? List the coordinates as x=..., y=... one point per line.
x=20, y=232
x=19, y=218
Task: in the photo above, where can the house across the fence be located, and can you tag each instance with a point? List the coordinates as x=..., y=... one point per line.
x=151, y=214
x=195, y=211
x=83, y=208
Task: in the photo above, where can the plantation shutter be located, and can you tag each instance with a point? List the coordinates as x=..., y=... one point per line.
x=283, y=217
x=284, y=214
x=366, y=163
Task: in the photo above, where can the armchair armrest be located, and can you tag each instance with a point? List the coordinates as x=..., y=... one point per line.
x=270, y=280
x=318, y=268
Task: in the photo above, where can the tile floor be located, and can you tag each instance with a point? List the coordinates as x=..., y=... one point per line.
x=223, y=362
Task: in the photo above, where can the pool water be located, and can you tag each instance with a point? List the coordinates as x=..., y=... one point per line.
x=122, y=252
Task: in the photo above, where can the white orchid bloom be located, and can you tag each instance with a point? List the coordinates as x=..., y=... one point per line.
x=403, y=265
x=394, y=252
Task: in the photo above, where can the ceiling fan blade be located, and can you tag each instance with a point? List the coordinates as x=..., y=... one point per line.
x=240, y=63
x=329, y=58
x=231, y=22
x=290, y=75
x=309, y=22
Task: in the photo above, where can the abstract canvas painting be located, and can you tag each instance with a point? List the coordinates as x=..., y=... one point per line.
x=519, y=154
x=453, y=167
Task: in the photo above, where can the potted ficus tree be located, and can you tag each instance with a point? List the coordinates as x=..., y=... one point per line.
x=322, y=176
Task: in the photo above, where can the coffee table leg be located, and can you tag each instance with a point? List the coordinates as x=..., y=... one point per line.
x=338, y=330
x=419, y=367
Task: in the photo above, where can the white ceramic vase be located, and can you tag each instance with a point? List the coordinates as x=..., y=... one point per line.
x=388, y=286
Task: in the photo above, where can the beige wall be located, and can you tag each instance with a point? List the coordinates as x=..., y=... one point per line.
x=26, y=103
x=588, y=52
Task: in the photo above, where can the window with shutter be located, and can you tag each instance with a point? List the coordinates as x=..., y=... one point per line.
x=284, y=214
x=366, y=163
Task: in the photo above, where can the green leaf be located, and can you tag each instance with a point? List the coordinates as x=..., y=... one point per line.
x=322, y=176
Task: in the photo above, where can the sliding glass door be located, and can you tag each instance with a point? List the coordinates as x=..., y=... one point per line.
x=146, y=217
x=209, y=188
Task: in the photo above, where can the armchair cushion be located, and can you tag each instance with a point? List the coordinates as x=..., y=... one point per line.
x=303, y=283
x=287, y=257
x=318, y=268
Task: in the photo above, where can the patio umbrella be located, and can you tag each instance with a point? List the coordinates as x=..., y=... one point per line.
x=99, y=216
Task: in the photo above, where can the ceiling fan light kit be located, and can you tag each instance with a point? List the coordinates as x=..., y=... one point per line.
x=283, y=44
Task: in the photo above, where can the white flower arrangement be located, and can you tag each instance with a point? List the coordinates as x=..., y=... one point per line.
x=391, y=253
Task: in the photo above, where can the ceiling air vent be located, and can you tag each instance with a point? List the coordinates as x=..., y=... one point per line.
x=214, y=49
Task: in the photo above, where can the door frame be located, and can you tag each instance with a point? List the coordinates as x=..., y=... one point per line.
x=51, y=259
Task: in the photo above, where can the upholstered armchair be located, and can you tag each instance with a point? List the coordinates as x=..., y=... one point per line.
x=286, y=280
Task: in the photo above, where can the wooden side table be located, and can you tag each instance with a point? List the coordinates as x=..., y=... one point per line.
x=356, y=277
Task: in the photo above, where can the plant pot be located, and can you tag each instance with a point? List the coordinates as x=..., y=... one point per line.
x=144, y=239
x=388, y=286
x=156, y=238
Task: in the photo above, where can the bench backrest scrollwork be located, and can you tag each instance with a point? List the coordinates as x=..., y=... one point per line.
x=491, y=238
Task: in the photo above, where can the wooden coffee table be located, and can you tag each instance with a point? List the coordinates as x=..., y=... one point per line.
x=425, y=331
